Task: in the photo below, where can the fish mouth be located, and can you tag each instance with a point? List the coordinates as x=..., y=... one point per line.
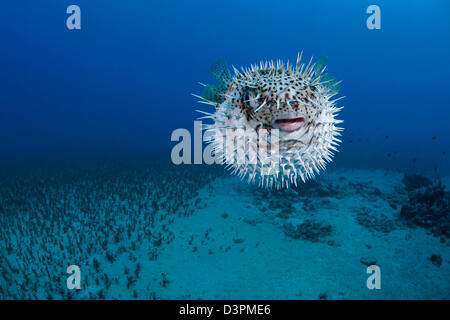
x=289, y=124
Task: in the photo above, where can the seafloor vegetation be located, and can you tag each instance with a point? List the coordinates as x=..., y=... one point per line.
x=89, y=217
x=160, y=231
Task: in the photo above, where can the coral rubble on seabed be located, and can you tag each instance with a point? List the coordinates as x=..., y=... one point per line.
x=165, y=232
x=305, y=243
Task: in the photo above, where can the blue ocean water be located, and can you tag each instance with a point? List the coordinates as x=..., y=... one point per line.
x=85, y=123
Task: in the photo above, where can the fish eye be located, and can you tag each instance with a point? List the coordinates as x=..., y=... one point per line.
x=246, y=96
x=249, y=99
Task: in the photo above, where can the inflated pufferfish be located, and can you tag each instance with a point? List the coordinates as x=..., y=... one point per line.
x=295, y=99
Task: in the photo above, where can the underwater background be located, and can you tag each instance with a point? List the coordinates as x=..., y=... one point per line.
x=86, y=177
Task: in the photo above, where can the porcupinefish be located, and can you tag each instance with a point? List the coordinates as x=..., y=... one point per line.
x=291, y=102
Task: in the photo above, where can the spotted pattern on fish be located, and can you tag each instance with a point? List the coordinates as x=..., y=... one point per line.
x=292, y=101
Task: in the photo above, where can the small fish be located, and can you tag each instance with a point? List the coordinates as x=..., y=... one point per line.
x=443, y=153
x=388, y=154
x=433, y=137
x=414, y=159
x=387, y=137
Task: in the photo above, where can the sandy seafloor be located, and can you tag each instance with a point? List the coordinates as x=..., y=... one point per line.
x=267, y=264
x=235, y=245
